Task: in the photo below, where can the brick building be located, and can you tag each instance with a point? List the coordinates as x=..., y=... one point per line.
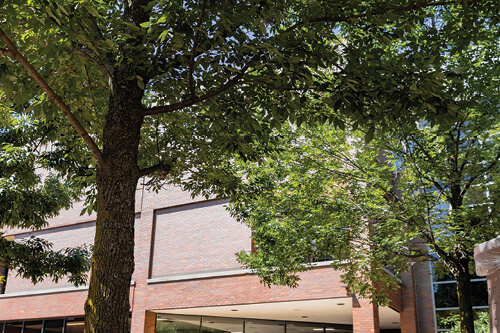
x=186, y=275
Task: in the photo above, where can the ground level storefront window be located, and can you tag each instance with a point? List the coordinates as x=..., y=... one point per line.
x=67, y=325
x=172, y=323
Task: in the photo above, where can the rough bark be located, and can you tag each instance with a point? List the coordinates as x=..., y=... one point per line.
x=460, y=267
x=107, y=307
x=465, y=303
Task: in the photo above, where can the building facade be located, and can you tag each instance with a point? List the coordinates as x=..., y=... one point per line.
x=187, y=279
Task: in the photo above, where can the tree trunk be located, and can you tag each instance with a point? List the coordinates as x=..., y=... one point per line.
x=107, y=307
x=465, y=301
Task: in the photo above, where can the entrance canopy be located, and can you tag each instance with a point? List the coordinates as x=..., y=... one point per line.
x=336, y=311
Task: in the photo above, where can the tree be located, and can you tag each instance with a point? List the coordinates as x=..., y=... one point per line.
x=364, y=205
x=173, y=90
x=28, y=199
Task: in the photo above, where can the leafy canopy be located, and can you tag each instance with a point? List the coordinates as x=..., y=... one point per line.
x=211, y=80
x=31, y=191
x=362, y=194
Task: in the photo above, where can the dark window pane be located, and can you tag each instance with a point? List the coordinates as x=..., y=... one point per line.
x=264, y=326
x=33, y=326
x=479, y=291
x=166, y=323
x=220, y=325
x=445, y=295
x=74, y=325
x=14, y=327
x=53, y=326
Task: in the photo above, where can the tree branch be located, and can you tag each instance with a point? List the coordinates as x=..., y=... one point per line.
x=480, y=173
x=193, y=53
x=193, y=100
x=95, y=61
x=6, y=52
x=273, y=87
x=378, y=12
x=159, y=167
x=54, y=97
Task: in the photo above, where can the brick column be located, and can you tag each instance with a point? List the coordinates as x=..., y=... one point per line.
x=149, y=322
x=364, y=316
x=408, y=314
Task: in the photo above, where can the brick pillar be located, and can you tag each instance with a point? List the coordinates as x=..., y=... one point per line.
x=149, y=322
x=364, y=316
x=143, y=321
x=408, y=314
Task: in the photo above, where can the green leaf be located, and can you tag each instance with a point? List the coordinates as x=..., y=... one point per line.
x=369, y=134
x=92, y=11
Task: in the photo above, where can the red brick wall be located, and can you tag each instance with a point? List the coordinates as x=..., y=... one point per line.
x=213, y=245
x=61, y=237
x=196, y=237
x=243, y=289
x=365, y=317
x=43, y=306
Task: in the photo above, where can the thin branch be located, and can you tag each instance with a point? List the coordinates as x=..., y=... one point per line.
x=95, y=61
x=7, y=53
x=333, y=63
x=193, y=53
x=90, y=84
x=467, y=154
x=426, y=153
x=159, y=167
x=54, y=97
x=194, y=100
x=379, y=12
x=480, y=173
x=273, y=87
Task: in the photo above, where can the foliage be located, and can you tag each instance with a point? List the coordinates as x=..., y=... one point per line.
x=175, y=90
x=425, y=178
x=329, y=193
x=30, y=194
x=481, y=324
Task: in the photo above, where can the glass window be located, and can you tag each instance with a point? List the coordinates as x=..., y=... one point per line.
x=177, y=323
x=304, y=327
x=338, y=328
x=33, y=326
x=53, y=326
x=444, y=318
x=264, y=326
x=14, y=327
x=445, y=295
x=74, y=325
x=221, y=325
x=447, y=319
x=479, y=292
x=169, y=323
